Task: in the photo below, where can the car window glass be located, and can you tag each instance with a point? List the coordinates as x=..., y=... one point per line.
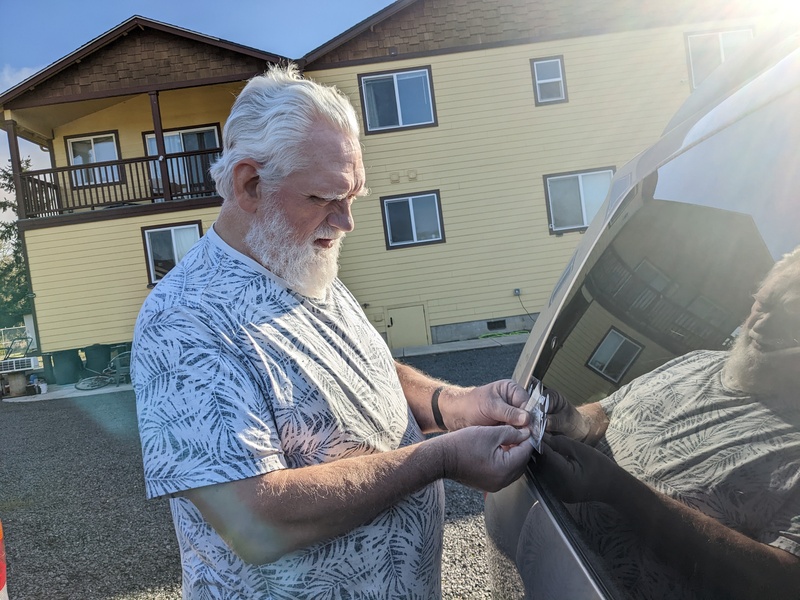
x=649, y=325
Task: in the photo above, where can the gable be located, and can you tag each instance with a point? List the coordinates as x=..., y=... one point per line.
x=438, y=26
x=142, y=60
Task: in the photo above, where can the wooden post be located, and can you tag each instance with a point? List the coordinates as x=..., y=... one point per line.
x=16, y=167
x=161, y=149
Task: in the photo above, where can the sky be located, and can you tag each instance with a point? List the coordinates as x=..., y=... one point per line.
x=37, y=33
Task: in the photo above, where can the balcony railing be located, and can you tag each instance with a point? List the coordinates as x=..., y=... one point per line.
x=620, y=291
x=130, y=182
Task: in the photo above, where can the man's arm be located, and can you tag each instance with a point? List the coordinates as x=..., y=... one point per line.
x=492, y=404
x=712, y=556
x=262, y=518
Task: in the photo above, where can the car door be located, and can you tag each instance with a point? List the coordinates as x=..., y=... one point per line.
x=667, y=270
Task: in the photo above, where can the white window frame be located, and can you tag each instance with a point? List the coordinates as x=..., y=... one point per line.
x=662, y=284
x=617, y=343
x=178, y=254
x=409, y=199
x=580, y=175
x=720, y=42
x=363, y=79
x=97, y=175
x=179, y=132
x=538, y=82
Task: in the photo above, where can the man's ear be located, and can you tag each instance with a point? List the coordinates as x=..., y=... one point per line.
x=245, y=185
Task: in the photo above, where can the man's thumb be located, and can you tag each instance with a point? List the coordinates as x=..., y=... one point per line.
x=511, y=435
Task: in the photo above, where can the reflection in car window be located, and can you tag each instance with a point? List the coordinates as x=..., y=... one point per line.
x=704, y=409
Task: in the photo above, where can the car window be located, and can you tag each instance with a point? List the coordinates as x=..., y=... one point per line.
x=659, y=308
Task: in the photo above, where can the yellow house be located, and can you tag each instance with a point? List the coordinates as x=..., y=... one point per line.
x=131, y=120
x=491, y=133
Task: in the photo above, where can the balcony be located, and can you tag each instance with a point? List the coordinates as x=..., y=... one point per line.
x=620, y=291
x=120, y=183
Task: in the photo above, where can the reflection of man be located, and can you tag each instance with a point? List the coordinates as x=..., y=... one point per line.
x=270, y=410
x=710, y=447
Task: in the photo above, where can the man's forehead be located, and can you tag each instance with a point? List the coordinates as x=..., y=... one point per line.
x=334, y=184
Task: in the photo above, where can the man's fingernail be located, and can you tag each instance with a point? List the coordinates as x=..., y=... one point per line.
x=521, y=419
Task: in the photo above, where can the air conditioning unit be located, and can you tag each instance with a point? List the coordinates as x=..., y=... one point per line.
x=13, y=365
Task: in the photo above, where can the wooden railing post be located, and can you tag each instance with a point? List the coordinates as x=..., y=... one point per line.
x=16, y=167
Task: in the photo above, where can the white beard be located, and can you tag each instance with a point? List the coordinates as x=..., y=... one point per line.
x=749, y=370
x=743, y=366
x=306, y=268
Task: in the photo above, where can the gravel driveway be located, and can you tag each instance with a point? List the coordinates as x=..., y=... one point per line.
x=77, y=525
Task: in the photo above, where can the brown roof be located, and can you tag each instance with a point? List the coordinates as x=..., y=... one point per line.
x=139, y=54
x=409, y=28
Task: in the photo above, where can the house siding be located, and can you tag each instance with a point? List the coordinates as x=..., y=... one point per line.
x=626, y=73
x=91, y=279
x=487, y=157
x=585, y=385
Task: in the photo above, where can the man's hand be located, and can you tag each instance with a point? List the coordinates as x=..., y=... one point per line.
x=563, y=418
x=577, y=472
x=586, y=423
x=485, y=458
x=496, y=403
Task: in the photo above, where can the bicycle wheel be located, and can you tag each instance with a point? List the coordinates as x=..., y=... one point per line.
x=93, y=383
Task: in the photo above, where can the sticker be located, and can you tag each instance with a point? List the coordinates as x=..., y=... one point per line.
x=537, y=407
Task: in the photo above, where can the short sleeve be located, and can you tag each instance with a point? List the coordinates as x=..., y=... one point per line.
x=203, y=417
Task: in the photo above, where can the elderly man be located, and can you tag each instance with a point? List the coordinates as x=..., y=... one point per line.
x=700, y=461
x=270, y=410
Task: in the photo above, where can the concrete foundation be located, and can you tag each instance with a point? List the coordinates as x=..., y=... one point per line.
x=470, y=330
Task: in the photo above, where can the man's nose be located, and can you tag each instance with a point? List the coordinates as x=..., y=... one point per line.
x=341, y=216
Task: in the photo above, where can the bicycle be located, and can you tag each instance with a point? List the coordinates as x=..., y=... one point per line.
x=118, y=368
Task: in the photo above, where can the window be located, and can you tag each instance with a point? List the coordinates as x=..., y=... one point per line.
x=165, y=246
x=653, y=276
x=97, y=148
x=397, y=100
x=708, y=311
x=614, y=356
x=549, y=84
x=707, y=51
x=412, y=220
x=188, y=175
x=574, y=198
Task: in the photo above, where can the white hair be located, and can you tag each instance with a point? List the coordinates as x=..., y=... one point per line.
x=272, y=115
x=788, y=268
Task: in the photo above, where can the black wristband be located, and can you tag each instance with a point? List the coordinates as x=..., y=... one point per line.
x=437, y=414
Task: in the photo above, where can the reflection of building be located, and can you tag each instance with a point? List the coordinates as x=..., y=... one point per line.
x=660, y=289
x=622, y=291
x=491, y=132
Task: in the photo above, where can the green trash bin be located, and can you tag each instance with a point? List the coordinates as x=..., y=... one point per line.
x=97, y=357
x=67, y=366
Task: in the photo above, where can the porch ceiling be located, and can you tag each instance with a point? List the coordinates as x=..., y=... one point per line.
x=37, y=124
